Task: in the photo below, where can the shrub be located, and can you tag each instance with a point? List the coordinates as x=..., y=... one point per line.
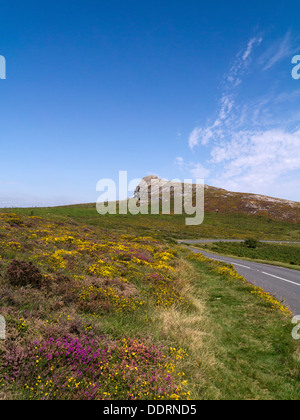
x=22, y=273
x=251, y=243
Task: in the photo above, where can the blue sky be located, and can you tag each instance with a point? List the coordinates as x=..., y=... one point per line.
x=181, y=89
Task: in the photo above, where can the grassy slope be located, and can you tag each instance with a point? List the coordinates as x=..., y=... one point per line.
x=235, y=225
x=274, y=209
x=238, y=339
x=97, y=288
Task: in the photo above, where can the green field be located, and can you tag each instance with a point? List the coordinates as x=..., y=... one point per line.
x=112, y=308
x=281, y=253
x=219, y=226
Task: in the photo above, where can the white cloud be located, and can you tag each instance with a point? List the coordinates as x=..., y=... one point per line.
x=277, y=51
x=214, y=131
x=250, y=47
x=196, y=170
x=179, y=161
x=254, y=143
x=227, y=104
x=241, y=63
x=257, y=160
x=195, y=137
x=205, y=135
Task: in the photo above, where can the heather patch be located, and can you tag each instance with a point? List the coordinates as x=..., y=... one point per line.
x=89, y=369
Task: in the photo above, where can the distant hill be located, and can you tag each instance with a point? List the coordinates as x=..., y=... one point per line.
x=221, y=201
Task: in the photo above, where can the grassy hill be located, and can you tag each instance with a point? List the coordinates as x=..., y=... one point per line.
x=227, y=215
x=221, y=201
x=108, y=307
x=216, y=225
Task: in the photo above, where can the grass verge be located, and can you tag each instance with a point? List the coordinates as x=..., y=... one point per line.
x=254, y=354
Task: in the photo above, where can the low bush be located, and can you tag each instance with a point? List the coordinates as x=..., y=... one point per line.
x=22, y=273
x=251, y=243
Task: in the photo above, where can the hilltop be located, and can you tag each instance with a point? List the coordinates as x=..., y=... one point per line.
x=221, y=201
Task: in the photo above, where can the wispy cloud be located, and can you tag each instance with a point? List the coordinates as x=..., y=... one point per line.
x=250, y=47
x=232, y=79
x=195, y=137
x=255, y=161
x=277, y=51
x=254, y=142
x=196, y=170
x=241, y=63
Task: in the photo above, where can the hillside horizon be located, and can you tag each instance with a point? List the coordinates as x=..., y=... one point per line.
x=221, y=201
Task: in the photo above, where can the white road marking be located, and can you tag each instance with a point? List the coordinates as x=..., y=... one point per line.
x=231, y=262
x=240, y=265
x=280, y=278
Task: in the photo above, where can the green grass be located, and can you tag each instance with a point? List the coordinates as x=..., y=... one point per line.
x=255, y=356
x=219, y=226
x=289, y=255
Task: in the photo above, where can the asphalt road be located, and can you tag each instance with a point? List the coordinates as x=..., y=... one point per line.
x=282, y=283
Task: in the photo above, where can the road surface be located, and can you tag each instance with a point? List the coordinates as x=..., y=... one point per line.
x=282, y=283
